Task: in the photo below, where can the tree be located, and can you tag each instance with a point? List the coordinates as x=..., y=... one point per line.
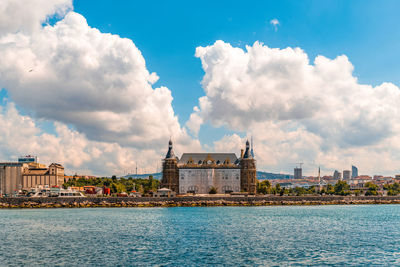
x=329, y=189
x=393, y=189
x=341, y=188
x=113, y=188
x=372, y=189
x=213, y=190
x=277, y=189
x=263, y=187
x=299, y=191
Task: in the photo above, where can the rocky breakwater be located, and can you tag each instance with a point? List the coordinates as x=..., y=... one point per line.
x=192, y=201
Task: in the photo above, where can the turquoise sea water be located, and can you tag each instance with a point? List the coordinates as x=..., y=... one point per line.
x=238, y=236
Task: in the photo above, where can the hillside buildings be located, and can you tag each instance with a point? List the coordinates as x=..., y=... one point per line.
x=200, y=172
x=27, y=173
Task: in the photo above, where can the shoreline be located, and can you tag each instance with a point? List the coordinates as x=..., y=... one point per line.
x=191, y=201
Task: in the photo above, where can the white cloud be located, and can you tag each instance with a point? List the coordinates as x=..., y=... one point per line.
x=96, y=82
x=316, y=113
x=21, y=135
x=28, y=15
x=274, y=23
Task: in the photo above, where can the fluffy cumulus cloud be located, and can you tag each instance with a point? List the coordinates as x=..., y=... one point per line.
x=20, y=135
x=28, y=15
x=317, y=113
x=98, y=83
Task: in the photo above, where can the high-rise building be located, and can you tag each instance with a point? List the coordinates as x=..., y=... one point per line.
x=298, y=173
x=354, y=171
x=346, y=175
x=337, y=175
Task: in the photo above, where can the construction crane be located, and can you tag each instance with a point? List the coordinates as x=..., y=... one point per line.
x=300, y=164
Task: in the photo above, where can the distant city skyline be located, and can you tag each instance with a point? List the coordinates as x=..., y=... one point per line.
x=101, y=88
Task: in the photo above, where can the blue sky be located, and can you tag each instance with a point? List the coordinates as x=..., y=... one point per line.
x=168, y=32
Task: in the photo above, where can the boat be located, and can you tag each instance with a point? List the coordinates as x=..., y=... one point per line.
x=54, y=192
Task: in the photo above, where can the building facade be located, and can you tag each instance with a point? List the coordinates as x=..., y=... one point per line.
x=35, y=176
x=15, y=176
x=354, y=172
x=298, y=173
x=346, y=174
x=200, y=172
x=11, y=177
x=337, y=175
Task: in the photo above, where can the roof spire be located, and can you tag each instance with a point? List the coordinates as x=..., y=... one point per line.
x=252, y=151
x=170, y=153
x=247, y=154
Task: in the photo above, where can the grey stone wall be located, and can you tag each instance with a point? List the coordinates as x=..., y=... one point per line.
x=192, y=201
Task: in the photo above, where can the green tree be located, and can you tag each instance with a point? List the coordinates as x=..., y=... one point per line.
x=299, y=191
x=263, y=187
x=113, y=188
x=393, y=189
x=372, y=189
x=329, y=189
x=341, y=188
x=277, y=189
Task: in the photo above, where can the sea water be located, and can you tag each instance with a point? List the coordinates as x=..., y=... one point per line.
x=198, y=236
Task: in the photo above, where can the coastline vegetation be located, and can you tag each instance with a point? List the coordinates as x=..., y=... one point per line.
x=341, y=188
x=117, y=185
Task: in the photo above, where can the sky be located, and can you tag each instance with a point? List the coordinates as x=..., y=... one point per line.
x=101, y=86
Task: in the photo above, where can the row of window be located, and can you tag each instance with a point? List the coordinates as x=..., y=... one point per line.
x=195, y=189
x=223, y=177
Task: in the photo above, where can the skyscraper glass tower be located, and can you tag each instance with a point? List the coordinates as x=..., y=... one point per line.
x=354, y=171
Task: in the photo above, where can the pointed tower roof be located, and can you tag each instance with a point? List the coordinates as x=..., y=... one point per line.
x=247, y=153
x=170, y=153
x=252, y=151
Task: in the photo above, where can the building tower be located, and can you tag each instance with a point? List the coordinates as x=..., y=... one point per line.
x=248, y=172
x=354, y=172
x=170, y=172
x=346, y=174
x=252, y=151
x=298, y=173
x=337, y=175
x=319, y=175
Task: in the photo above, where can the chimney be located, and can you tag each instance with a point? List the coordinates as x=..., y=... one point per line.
x=241, y=153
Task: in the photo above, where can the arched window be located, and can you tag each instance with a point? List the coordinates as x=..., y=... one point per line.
x=193, y=189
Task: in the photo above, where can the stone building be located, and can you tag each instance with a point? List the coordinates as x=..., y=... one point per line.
x=11, y=177
x=15, y=176
x=200, y=172
x=35, y=176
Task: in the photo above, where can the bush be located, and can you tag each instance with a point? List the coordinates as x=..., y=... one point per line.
x=213, y=190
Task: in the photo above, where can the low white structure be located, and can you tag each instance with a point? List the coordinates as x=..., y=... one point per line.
x=164, y=192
